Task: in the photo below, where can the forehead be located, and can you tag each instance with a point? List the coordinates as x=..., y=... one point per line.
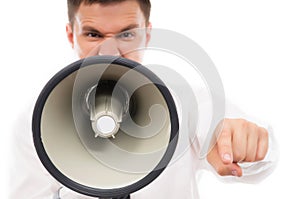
x=110, y=17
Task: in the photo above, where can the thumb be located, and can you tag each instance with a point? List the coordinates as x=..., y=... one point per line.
x=235, y=170
x=232, y=169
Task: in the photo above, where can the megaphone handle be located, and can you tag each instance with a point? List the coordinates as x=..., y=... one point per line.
x=122, y=197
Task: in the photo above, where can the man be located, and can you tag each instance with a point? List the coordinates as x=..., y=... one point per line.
x=102, y=27
x=91, y=23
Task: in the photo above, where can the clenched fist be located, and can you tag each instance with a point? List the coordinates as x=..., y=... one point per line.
x=239, y=141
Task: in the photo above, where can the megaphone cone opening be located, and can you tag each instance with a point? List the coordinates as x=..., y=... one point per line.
x=62, y=152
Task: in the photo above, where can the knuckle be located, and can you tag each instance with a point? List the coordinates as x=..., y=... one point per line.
x=264, y=139
x=224, y=146
x=253, y=127
x=223, y=124
x=244, y=123
x=225, y=134
x=263, y=133
x=226, y=120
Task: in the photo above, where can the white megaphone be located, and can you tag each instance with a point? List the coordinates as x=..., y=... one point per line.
x=105, y=127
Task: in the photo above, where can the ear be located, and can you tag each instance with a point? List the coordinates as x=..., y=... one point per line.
x=70, y=35
x=148, y=33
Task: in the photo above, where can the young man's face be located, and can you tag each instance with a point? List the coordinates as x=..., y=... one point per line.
x=115, y=29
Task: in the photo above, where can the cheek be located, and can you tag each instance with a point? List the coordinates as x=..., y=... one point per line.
x=135, y=56
x=85, y=49
x=136, y=52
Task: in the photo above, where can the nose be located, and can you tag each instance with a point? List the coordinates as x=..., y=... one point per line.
x=109, y=47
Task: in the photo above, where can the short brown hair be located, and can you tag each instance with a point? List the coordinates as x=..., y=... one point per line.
x=73, y=6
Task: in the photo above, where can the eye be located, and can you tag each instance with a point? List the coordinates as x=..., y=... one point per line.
x=127, y=35
x=93, y=35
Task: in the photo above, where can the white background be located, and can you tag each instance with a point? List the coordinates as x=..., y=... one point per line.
x=254, y=44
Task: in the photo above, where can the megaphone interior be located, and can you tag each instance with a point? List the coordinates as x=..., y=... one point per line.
x=105, y=126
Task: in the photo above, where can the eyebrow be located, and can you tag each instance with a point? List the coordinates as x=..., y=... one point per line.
x=132, y=26
x=92, y=29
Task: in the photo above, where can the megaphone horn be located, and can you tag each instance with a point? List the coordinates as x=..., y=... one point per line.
x=105, y=126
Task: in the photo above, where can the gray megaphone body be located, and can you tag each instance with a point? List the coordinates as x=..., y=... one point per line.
x=105, y=127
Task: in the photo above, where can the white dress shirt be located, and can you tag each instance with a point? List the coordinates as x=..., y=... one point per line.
x=30, y=180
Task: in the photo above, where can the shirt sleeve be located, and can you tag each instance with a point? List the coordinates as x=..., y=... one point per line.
x=28, y=178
